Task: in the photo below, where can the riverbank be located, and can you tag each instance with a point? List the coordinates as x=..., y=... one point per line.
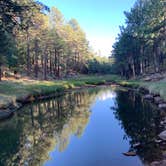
x=14, y=93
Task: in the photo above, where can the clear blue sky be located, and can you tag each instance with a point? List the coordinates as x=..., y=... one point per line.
x=100, y=19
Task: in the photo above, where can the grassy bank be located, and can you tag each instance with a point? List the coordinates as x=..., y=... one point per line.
x=156, y=87
x=12, y=90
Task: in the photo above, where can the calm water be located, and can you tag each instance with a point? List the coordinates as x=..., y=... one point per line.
x=86, y=128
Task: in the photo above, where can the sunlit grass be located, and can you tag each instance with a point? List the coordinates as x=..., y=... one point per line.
x=158, y=87
x=15, y=89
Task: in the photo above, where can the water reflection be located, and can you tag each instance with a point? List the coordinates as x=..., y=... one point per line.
x=141, y=123
x=39, y=128
x=107, y=94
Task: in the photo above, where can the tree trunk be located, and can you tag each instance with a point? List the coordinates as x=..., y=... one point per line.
x=156, y=65
x=141, y=61
x=50, y=67
x=28, y=54
x=67, y=64
x=75, y=59
x=141, y=67
x=121, y=72
x=45, y=65
x=58, y=65
x=36, y=59
x=0, y=72
x=145, y=65
x=133, y=68
x=55, y=62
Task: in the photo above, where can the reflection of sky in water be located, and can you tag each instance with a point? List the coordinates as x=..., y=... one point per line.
x=106, y=95
x=102, y=142
x=75, y=136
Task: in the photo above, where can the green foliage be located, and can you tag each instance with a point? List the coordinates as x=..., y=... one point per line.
x=99, y=65
x=8, y=13
x=140, y=47
x=42, y=43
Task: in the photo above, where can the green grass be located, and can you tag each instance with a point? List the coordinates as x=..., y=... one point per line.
x=158, y=87
x=12, y=90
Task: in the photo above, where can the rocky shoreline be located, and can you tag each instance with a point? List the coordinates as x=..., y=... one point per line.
x=160, y=103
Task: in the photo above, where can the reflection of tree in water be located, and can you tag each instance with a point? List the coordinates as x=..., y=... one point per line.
x=30, y=135
x=140, y=122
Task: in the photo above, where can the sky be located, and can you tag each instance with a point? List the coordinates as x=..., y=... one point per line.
x=100, y=19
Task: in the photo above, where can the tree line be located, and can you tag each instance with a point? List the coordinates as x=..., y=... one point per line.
x=140, y=48
x=40, y=42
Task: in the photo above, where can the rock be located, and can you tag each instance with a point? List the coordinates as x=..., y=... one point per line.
x=156, y=95
x=155, y=163
x=31, y=98
x=153, y=125
x=22, y=99
x=6, y=113
x=28, y=145
x=154, y=77
x=130, y=154
x=158, y=141
x=162, y=135
x=162, y=113
x=162, y=106
x=143, y=90
x=163, y=143
x=158, y=163
x=162, y=122
x=164, y=154
x=148, y=78
x=158, y=100
x=148, y=97
x=136, y=145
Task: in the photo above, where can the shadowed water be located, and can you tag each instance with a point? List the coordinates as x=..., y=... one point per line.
x=85, y=128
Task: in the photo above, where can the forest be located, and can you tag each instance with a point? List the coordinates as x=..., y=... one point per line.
x=61, y=103
x=39, y=42
x=140, y=47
